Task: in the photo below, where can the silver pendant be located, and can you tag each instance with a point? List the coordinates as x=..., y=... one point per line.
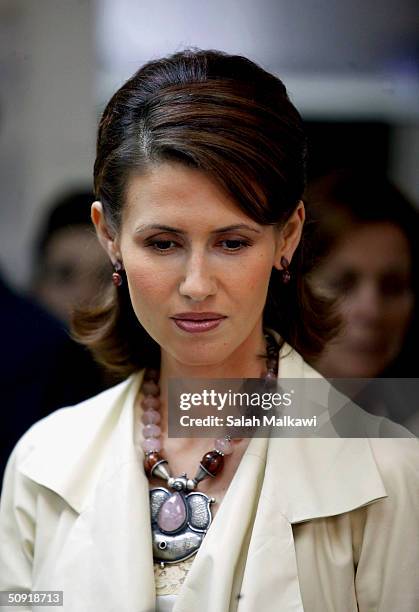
x=179, y=522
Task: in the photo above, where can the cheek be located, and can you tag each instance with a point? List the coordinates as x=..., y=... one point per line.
x=148, y=279
x=149, y=296
x=251, y=282
x=401, y=313
x=262, y=272
x=345, y=307
x=144, y=286
x=398, y=323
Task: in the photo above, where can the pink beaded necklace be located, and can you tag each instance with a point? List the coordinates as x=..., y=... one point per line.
x=181, y=518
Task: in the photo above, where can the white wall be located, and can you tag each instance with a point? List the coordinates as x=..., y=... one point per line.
x=48, y=118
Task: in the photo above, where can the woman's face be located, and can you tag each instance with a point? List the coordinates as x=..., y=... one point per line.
x=198, y=268
x=74, y=271
x=370, y=270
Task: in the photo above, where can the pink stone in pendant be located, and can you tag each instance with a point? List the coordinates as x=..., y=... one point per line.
x=224, y=446
x=151, y=431
x=270, y=376
x=151, y=444
x=150, y=417
x=172, y=513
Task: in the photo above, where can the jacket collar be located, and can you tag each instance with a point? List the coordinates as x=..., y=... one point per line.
x=87, y=443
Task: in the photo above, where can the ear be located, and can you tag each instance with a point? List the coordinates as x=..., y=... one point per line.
x=289, y=236
x=105, y=237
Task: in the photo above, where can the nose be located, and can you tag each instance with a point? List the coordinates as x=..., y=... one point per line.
x=198, y=282
x=367, y=303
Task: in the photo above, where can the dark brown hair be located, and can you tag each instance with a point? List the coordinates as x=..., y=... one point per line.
x=228, y=117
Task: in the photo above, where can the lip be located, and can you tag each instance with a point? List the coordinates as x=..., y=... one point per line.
x=198, y=316
x=198, y=322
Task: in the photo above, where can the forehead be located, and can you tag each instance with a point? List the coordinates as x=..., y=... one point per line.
x=176, y=193
x=373, y=246
x=75, y=244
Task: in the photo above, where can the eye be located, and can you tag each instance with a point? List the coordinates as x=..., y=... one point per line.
x=234, y=244
x=162, y=245
x=342, y=283
x=61, y=273
x=394, y=285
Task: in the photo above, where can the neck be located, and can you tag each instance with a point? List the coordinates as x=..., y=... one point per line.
x=246, y=361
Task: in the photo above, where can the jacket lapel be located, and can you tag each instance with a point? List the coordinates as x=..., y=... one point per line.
x=106, y=559
x=214, y=580
x=247, y=560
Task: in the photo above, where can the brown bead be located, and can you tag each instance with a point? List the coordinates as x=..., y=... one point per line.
x=213, y=462
x=150, y=461
x=152, y=374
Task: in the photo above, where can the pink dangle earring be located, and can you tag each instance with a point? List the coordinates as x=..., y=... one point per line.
x=116, y=276
x=286, y=274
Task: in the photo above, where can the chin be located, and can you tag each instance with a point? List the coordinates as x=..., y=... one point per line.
x=364, y=369
x=200, y=352
x=199, y=358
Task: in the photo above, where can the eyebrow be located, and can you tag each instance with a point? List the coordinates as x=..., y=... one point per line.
x=176, y=230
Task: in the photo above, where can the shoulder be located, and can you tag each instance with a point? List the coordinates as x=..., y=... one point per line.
x=397, y=461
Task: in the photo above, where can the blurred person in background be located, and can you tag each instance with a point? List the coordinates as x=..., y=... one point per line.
x=70, y=266
x=44, y=368
x=364, y=236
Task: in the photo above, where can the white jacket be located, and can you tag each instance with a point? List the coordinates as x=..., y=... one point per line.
x=321, y=525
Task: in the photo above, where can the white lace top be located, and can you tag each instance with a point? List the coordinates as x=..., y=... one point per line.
x=170, y=578
x=168, y=582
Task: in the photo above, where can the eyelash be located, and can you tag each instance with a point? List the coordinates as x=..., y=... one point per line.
x=153, y=244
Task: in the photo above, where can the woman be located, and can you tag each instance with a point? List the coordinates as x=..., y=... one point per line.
x=364, y=237
x=198, y=178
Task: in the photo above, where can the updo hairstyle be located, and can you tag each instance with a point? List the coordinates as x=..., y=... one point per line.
x=225, y=116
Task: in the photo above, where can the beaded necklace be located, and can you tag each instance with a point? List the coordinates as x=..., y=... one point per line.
x=180, y=518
